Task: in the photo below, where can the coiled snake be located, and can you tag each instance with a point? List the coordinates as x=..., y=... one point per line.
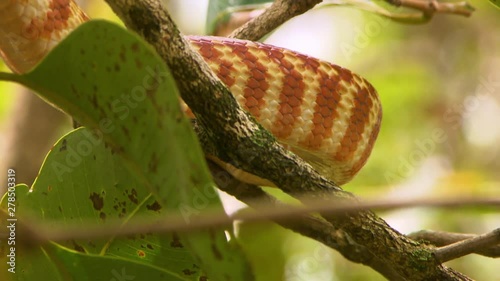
x=322, y=112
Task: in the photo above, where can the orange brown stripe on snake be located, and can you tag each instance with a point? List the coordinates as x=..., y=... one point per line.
x=325, y=110
x=370, y=134
x=290, y=99
x=256, y=84
x=223, y=68
x=324, y=113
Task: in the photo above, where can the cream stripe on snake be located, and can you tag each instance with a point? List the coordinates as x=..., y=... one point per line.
x=326, y=114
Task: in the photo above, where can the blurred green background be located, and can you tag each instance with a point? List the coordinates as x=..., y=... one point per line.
x=439, y=83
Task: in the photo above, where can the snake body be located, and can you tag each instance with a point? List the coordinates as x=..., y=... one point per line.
x=324, y=113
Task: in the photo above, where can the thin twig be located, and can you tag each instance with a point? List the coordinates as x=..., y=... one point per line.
x=430, y=7
x=269, y=210
x=442, y=238
x=417, y=12
x=468, y=246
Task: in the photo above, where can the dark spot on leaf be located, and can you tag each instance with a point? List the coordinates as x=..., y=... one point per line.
x=84, y=75
x=97, y=201
x=123, y=58
x=134, y=119
x=74, y=90
x=133, y=196
x=179, y=117
x=154, y=207
x=134, y=47
x=120, y=150
x=203, y=278
x=152, y=88
x=149, y=246
x=93, y=156
x=141, y=253
x=138, y=63
x=49, y=188
x=117, y=67
x=216, y=252
x=102, y=215
x=188, y=272
x=176, y=242
x=44, y=193
x=126, y=132
x=153, y=163
x=82, y=51
x=63, y=145
x=94, y=100
x=60, y=209
x=77, y=247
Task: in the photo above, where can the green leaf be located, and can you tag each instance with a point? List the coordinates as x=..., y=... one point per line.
x=82, y=182
x=115, y=84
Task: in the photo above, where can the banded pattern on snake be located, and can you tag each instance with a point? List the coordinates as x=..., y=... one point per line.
x=324, y=113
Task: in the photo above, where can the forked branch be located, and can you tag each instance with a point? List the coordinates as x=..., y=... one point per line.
x=234, y=137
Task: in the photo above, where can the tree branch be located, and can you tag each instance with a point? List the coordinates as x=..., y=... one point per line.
x=467, y=246
x=235, y=138
x=277, y=14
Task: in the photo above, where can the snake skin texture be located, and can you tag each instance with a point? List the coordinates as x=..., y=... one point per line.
x=324, y=113
x=29, y=29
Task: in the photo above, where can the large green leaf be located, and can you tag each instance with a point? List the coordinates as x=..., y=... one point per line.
x=115, y=84
x=82, y=182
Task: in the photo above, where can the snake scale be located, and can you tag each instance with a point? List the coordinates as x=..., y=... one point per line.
x=324, y=113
